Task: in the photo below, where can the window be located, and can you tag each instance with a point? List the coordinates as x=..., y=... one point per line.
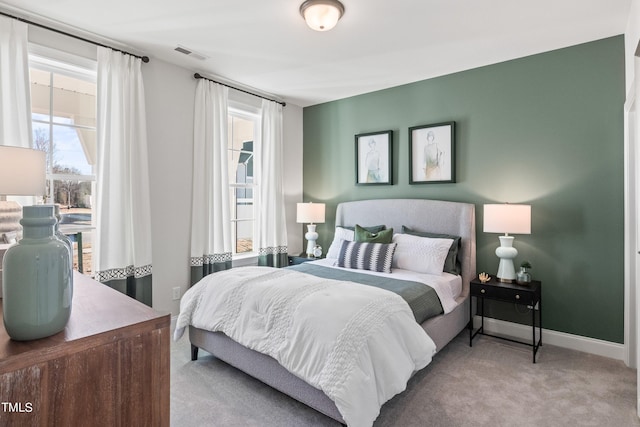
x=63, y=107
x=242, y=129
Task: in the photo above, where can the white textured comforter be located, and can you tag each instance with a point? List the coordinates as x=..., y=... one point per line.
x=358, y=344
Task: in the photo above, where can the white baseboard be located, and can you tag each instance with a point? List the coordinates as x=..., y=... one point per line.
x=559, y=339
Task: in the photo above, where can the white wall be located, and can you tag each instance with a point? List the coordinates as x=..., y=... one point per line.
x=293, y=175
x=632, y=183
x=169, y=95
x=61, y=42
x=631, y=39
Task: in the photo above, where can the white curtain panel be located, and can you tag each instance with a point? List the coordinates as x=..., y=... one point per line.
x=123, y=241
x=15, y=94
x=271, y=220
x=15, y=98
x=211, y=248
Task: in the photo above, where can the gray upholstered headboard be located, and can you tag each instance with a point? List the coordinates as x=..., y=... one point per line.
x=420, y=215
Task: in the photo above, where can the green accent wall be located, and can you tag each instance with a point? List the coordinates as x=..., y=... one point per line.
x=545, y=130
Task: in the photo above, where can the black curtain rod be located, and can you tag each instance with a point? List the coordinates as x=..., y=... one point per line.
x=199, y=76
x=145, y=59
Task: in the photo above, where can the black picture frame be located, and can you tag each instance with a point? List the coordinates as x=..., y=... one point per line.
x=374, y=157
x=432, y=153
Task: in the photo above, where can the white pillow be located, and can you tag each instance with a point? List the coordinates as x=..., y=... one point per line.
x=420, y=254
x=340, y=235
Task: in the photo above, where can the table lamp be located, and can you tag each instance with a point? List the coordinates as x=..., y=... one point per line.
x=507, y=218
x=310, y=213
x=36, y=273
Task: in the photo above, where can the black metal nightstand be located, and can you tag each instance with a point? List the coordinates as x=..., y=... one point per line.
x=295, y=260
x=528, y=295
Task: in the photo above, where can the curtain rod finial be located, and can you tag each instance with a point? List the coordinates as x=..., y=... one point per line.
x=197, y=76
x=145, y=59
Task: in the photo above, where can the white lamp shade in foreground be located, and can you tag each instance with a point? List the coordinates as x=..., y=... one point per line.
x=22, y=171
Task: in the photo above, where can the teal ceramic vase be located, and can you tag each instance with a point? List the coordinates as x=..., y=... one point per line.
x=36, y=279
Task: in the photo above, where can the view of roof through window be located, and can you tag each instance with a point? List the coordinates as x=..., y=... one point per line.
x=64, y=114
x=63, y=106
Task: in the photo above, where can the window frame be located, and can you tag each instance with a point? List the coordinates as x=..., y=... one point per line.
x=65, y=64
x=249, y=113
x=61, y=63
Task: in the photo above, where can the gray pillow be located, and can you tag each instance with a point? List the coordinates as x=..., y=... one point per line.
x=451, y=263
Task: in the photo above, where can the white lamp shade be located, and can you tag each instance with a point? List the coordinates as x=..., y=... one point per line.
x=321, y=15
x=507, y=218
x=22, y=171
x=310, y=213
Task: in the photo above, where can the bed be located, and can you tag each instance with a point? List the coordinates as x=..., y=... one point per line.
x=450, y=218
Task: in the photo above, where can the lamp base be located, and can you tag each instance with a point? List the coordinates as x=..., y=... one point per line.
x=506, y=252
x=311, y=237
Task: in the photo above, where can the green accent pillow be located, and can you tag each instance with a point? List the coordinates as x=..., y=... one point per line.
x=364, y=235
x=451, y=264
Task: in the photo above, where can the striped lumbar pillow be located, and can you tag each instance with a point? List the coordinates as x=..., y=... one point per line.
x=366, y=256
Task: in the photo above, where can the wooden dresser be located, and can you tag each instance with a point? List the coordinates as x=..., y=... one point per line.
x=109, y=367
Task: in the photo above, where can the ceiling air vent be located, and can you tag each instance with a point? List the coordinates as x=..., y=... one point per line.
x=190, y=53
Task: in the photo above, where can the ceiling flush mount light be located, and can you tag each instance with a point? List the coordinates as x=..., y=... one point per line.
x=321, y=15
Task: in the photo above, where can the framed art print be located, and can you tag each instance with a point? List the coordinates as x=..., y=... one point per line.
x=373, y=158
x=432, y=153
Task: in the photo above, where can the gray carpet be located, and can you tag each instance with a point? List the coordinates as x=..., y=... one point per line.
x=492, y=384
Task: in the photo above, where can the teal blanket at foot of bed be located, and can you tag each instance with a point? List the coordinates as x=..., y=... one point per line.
x=422, y=299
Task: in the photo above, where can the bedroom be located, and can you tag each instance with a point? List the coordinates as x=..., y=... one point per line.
x=578, y=196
